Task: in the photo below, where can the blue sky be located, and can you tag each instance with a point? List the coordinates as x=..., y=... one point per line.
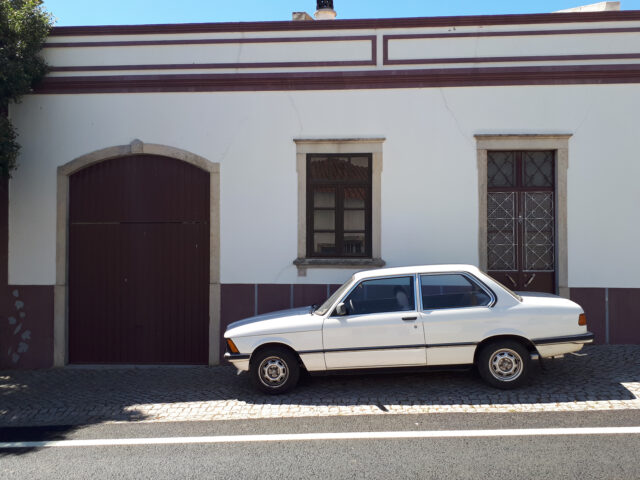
x=122, y=12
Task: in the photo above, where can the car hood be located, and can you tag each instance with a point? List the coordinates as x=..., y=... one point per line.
x=293, y=320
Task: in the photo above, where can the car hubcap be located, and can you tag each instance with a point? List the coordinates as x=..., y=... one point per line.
x=505, y=365
x=273, y=372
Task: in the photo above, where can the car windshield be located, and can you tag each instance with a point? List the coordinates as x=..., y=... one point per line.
x=324, y=308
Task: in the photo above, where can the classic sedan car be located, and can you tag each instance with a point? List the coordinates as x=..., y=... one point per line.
x=410, y=317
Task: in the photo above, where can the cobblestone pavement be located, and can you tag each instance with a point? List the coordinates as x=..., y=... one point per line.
x=604, y=378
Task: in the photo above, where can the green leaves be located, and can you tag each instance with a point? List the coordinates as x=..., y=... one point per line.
x=9, y=148
x=24, y=26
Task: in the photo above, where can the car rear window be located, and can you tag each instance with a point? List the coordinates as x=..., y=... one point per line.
x=451, y=291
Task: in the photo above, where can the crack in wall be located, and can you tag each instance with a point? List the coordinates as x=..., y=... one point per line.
x=464, y=135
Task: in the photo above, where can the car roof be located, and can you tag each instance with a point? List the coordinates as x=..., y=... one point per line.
x=410, y=270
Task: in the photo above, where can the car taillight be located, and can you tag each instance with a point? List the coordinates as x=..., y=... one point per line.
x=232, y=346
x=582, y=319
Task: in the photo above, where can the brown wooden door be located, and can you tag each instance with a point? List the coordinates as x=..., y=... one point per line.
x=139, y=262
x=521, y=219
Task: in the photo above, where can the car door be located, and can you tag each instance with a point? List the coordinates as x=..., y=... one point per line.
x=381, y=327
x=454, y=307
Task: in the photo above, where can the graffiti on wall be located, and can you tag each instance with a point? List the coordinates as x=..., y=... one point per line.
x=21, y=336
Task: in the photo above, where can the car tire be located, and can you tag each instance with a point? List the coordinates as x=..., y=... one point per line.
x=505, y=364
x=274, y=371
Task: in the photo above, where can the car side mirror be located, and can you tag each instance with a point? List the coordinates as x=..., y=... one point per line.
x=341, y=309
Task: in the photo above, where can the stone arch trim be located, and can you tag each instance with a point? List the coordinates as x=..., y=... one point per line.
x=136, y=147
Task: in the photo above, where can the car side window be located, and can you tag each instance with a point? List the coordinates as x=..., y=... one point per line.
x=381, y=295
x=451, y=291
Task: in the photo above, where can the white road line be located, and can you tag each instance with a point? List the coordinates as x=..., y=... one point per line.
x=299, y=437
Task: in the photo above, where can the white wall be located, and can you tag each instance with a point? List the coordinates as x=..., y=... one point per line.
x=429, y=179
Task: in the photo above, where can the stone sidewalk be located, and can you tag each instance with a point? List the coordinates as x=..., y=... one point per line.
x=599, y=378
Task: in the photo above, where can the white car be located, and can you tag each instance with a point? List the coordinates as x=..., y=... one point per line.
x=410, y=317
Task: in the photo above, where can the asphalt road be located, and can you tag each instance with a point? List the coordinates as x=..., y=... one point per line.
x=523, y=456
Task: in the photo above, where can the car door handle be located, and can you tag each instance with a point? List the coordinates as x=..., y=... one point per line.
x=406, y=319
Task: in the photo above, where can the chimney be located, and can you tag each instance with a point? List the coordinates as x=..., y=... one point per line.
x=325, y=10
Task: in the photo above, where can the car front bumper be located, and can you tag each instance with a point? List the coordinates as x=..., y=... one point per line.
x=238, y=360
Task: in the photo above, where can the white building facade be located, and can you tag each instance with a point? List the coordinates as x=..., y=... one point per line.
x=261, y=164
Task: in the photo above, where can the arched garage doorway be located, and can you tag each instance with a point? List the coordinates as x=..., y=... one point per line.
x=142, y=270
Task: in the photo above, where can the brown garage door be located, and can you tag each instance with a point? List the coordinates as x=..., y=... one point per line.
x=139, y=262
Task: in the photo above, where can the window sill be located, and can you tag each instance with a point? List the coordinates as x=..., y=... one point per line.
x=362, y=263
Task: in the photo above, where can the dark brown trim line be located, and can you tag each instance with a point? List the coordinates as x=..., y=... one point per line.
x=457, y=21
x=208, y=41
x=514, y=33
x=419, y=78
x=213, y=66
x=533, y=58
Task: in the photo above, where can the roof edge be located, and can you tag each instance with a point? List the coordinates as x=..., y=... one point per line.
x=411, y=22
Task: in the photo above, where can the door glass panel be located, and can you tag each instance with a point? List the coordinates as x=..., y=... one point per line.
x=381, y=295
x=451, y=291
x=538, y=169
x=538, y=232
x=501, y=169
x=501, y=231
x=324, y=243
x=324, y=220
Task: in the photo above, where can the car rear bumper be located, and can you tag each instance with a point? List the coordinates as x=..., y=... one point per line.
x=554, y=346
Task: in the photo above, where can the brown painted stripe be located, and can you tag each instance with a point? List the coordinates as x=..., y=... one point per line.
x=451, y=77
x=453, y=21
x=308, y=294
x=624, y=311
x=517, y=33
x=346, y=63
x=36, y=327
x=533, y=58
x=273, y=297
x=208, y=41
x=592, y=300
x=213, y=66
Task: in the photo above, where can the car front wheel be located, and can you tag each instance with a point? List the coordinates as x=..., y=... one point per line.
x=504, y=364
x=274, y=371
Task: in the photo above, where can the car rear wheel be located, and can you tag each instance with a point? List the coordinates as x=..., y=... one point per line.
x=504, y=364
x=274, y=371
